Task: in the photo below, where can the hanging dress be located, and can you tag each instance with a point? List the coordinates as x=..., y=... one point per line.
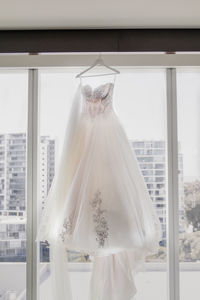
x=98, y=202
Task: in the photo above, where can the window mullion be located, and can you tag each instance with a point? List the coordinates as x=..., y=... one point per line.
x=173, y=199
x=32, y=183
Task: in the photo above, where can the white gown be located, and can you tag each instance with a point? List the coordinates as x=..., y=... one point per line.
x=98, y=202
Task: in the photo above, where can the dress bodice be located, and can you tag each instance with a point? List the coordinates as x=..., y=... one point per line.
x=98, y=100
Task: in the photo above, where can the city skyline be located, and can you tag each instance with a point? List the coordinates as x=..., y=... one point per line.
x=150, y=154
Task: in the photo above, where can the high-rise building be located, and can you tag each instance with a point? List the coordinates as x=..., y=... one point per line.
x=47, y=167
x=2, y=172
x=13, y=172
x=152, y=159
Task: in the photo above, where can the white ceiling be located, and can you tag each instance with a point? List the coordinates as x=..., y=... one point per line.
x=64, y=14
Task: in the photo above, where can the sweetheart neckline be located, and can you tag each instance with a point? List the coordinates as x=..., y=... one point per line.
x=96, y=88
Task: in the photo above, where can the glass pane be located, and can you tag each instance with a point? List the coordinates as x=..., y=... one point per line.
x=56, y=95
x=13, y=202
x=188, y=92
x=140, y=102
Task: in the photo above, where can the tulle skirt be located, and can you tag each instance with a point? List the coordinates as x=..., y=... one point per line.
x=108, y=207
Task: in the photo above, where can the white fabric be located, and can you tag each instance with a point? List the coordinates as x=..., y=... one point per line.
x=99, y=202
x=60, y=280
x=106, y=283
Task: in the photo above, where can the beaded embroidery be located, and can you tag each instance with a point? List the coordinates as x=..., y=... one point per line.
x=66, y=228
x=101, y=225
x=98, y=100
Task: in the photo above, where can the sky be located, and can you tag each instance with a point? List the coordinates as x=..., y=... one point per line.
x=139, y=100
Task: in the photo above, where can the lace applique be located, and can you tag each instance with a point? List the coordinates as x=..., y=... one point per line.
x=66, y=228
x=97, y=101
x=87, y=92
x=99, y=93
x=99, y=219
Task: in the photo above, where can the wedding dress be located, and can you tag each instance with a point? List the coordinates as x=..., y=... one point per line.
x=98, y=202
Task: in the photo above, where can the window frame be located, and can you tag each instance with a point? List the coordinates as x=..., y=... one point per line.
x=170, y=63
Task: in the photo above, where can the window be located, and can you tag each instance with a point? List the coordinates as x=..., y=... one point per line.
x=188, y=100
x=143, y=113
x=13, y=128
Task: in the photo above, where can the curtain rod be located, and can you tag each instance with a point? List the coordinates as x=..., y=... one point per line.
x=99, y=40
